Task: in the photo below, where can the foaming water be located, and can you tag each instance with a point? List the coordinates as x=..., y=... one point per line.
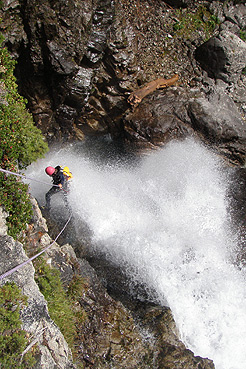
x=164, y=219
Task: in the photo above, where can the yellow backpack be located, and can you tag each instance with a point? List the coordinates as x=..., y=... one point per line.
x=68, y=175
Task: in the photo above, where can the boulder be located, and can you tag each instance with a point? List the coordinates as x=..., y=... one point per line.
x=159, y=118
x=217, y=118
x=176, y=113
x=223, y=57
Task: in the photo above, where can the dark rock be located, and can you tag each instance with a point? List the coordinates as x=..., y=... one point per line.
x=59, y=60
x=79, y=87
x=65, y=116
x=13, y=29
x=170, y=356
x=159, y=118
x=177, y=113
x=97, y=42
x=223, y=56
x=237, y=208
x=171, y=352
x=236, y=14
x=86, y=58
x=218, y=119
x=179, y=3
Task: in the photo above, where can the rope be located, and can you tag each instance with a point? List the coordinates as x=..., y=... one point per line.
x=46, y=248
x=22, y=176
x=35, y=256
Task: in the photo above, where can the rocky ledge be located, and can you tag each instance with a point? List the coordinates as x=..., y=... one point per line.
x=109, y=335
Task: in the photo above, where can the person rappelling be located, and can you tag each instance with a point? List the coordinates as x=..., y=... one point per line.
x=60, y=179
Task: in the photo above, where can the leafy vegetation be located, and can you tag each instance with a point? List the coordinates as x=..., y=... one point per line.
x=21, y=143
x=63, y=305
x=60, y=310
x=189, y=23
x=243, y=35
x=13, y=340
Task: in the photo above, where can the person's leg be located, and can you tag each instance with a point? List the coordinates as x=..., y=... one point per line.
x=48, y=195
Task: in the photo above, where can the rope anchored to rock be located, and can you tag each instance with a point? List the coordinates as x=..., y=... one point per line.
x=35, y=256
x=22, y=176
x=46, y=248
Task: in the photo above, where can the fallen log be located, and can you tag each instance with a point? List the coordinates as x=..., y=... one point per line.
x=136, y=96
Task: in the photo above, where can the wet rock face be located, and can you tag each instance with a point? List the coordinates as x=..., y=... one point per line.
x=211, y=116
x=72, y=64
x=237, y=208
x=160, y=118
x=57, y=36
x=79, y=61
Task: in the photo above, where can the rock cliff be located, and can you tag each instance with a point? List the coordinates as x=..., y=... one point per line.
x=77, y=63
x=53, y=350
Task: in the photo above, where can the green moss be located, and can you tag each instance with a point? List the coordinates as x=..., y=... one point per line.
x=243, y=35
x=21, y=143
x=189, y=23
x=13, y=340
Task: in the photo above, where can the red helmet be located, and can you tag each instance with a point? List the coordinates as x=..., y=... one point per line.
x=50, y=171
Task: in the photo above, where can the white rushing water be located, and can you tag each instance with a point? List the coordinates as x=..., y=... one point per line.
x=165, y=220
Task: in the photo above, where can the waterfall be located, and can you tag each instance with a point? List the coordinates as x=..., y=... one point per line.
x=164, y=219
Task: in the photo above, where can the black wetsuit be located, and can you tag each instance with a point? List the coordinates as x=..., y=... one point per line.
x=58, y=178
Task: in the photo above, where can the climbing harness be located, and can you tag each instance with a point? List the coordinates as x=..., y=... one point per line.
x=46, y=248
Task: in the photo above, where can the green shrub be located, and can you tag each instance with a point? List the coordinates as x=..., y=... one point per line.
x=13, y=340
x=15, y=199
x=21, y=143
